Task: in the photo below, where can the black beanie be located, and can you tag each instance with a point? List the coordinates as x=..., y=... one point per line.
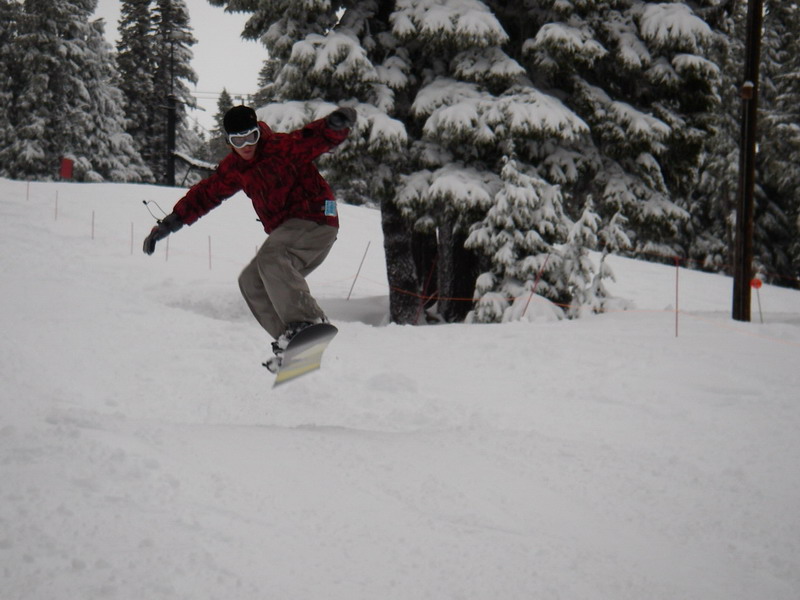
x=239, y=118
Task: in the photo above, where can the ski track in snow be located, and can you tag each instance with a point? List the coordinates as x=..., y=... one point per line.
x=143, y=453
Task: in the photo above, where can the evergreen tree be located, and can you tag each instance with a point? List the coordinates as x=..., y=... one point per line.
x=787, y=125
x=638, y=74
x=710, y=233
x=154, y=56
x=10, y=71
x=708, y=237
x=108, y=152
x=266, y=78
x=172, y=40
x=585, y=283
x=66, y=104
x=776, y=242
x=136, y=60
x=218, y=147
x=519, y=236
x=224, y=104
x=466, y=90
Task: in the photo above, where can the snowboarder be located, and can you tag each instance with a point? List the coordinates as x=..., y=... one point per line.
x=294, y=204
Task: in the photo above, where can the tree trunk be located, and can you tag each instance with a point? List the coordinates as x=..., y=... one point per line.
x=426, y=256
x=401, y=272
x=457, y=269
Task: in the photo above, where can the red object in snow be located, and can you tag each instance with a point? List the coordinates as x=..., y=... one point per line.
x=66, y=168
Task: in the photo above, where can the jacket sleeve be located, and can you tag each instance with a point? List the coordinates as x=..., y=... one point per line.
x=208, y=194
x=316, y=138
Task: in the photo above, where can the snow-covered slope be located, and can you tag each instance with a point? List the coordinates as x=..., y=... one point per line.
x=143, y=453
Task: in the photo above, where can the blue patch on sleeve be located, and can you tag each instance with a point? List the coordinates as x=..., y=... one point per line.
x=330, y=208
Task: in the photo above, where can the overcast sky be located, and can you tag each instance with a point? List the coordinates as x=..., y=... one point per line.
x=222, y=59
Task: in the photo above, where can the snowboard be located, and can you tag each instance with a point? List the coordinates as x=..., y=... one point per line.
x=304, y=352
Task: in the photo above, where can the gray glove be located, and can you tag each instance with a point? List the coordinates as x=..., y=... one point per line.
x=169, y=224
x=342, y=118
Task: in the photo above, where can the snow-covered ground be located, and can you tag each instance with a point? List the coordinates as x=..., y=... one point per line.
x=144, y=455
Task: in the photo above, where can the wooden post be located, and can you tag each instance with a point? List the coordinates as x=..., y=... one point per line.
x=743, y=251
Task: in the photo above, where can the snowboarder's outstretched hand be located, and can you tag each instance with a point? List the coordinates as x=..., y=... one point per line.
x=342, y=118
x=169, y=224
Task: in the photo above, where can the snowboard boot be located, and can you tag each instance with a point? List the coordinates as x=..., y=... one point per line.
x=279, y=346
x=273, y=363
x=293, y=329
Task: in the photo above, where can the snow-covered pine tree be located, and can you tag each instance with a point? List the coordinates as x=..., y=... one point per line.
x=786, y=124
x=64, y=88
x=447, y=48
x=172, y=41
x=637, y=73
x=519, y=236
x=10, y=72
x=279, y=24
x=776, y=239
x=136, y=60
x=473, y=107
x=707, y=239
x=713, y=203
x=153, y=58
x=108, y=152
x=584, y=282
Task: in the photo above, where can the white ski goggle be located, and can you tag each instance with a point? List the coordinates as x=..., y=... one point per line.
x=245, y=138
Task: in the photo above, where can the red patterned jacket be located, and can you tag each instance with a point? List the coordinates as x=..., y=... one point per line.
x=281, y=179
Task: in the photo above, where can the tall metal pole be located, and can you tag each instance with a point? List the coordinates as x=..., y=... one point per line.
x=743, y=251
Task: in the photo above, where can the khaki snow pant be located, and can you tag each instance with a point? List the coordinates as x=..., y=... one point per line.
x=274, y=284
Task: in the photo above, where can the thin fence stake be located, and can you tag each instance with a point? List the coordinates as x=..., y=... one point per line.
x=92, y=224
x=756, y=283
x=758, y=297
x=359, y=270
x=28, y=192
